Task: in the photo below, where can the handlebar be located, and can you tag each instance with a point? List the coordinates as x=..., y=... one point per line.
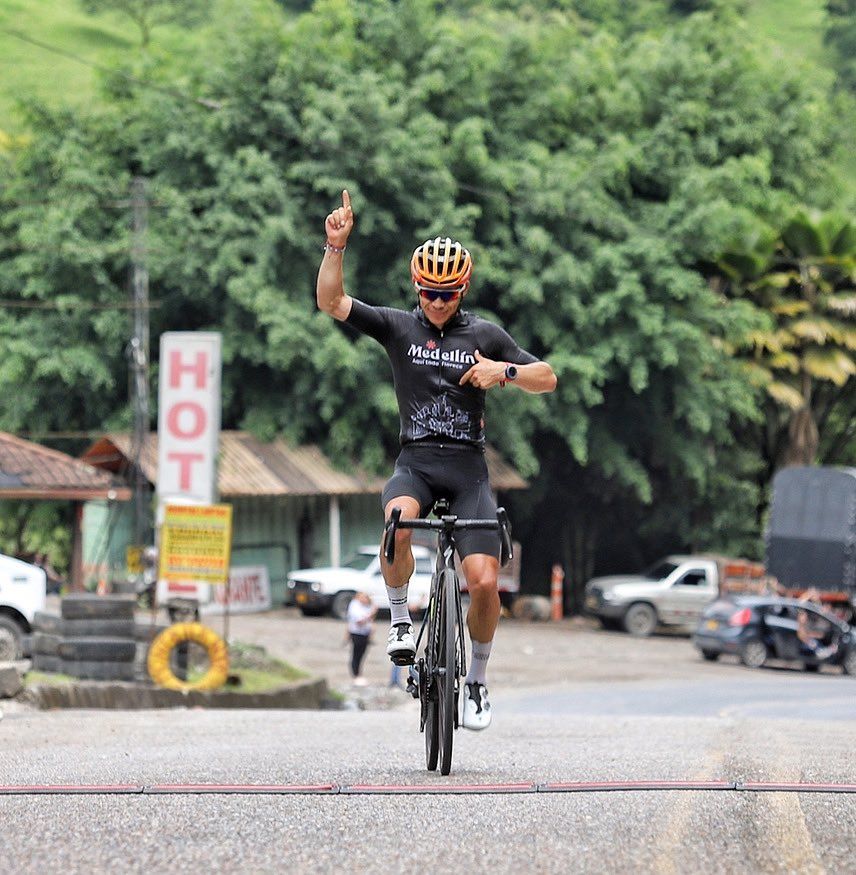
x=449, y=524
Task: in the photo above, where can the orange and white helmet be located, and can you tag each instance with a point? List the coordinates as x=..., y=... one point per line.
x=441, y=263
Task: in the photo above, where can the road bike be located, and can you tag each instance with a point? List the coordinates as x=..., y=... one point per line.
x=437, y=674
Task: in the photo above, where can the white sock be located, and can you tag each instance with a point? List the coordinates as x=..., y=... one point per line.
x=478, y=662
x=398, y=610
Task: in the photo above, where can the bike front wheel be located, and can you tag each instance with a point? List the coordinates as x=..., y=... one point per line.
x=431, y=728
x=447, y=668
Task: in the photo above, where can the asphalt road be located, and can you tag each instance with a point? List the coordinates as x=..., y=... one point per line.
x=572, y=705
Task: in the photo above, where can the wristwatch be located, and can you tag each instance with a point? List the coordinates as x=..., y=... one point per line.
x=510, y=371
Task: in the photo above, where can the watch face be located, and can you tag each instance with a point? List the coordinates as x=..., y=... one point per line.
x=510, y=372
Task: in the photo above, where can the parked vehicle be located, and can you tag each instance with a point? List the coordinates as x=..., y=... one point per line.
x=317, y=591
x=672, y=592
x=811, y=534
x=22, y=592
x=758, y=628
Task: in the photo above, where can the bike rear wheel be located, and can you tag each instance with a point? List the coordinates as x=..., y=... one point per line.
x=447, y=668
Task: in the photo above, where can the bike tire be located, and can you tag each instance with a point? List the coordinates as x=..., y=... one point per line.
x=447, y=665
x=432, y=732
x=428, y=685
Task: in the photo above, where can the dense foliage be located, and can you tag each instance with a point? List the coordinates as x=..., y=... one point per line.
x=841, y=37
x=599, y=157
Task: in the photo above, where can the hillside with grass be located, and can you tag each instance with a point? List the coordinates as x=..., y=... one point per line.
x=39, y=40
x=794, y=31
x=55, y=52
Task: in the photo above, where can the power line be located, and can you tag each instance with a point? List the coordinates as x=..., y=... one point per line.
x=204, y=102
x=77, y=305
x=47, y=202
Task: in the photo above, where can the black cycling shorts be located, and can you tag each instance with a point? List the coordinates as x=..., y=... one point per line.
x=457, y=472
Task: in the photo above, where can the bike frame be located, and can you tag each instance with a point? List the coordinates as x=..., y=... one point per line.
x=435, y=673
x=433, y=618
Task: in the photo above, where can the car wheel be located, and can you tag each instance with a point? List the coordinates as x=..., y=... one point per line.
x=640, y=620
x=710, y=655
x=848, y=665
x=10, y=640
x=754, y=654
x=339, y=608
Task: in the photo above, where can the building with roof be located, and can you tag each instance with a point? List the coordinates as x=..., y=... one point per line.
x=32, y=472
x=292, y=508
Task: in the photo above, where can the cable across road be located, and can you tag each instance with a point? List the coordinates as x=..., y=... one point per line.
x=333, y=789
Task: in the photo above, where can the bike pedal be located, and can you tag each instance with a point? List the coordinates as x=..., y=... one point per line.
x=401, y=658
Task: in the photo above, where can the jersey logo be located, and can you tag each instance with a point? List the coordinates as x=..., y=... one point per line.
x=440, y=418
x=430, y=354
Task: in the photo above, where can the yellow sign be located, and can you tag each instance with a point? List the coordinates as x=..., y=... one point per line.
x=196, y=542
x=134, y=559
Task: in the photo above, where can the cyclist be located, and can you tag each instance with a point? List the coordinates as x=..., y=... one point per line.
x=443, y=361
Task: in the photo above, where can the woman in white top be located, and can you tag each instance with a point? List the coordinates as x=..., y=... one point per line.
x=361, y=613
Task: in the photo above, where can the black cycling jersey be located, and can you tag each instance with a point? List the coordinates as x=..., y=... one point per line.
x=428, y=363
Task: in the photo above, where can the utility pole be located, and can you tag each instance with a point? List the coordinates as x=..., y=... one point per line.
x=138, y=353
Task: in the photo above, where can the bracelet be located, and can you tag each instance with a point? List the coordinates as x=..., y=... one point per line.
x=332, y=248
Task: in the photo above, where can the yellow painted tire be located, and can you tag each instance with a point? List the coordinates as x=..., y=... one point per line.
x=218, y=655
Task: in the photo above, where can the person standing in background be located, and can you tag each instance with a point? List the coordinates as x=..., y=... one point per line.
x=361, y=614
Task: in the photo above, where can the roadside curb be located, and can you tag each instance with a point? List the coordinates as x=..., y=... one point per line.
x=311, y=694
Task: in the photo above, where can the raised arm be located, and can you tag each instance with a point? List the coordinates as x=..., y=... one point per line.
x=330, y=286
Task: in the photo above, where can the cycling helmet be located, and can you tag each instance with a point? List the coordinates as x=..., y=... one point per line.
x=441, y=263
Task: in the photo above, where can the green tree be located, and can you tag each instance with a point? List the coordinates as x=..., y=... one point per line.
x=149, y=14
x=841, y=36
x=593, y=170
x=802, y=276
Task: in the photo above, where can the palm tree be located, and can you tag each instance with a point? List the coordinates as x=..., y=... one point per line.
x=804, y=277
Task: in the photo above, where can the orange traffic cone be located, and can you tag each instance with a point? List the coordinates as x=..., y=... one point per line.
x=556, y=581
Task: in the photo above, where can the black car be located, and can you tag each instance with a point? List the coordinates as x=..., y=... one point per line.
x=758, y=628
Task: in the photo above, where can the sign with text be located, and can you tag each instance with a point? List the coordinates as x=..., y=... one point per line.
x=134, y=559
x=248, y=592
x=188, y=416
x=195, y=543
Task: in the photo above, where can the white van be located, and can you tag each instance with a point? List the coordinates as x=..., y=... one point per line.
x=23, y=588
x=319, y=590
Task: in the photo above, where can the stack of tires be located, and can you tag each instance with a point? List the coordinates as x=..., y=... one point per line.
x=92, y=638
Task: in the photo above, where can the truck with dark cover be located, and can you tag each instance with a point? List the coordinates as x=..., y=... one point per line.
x=811, y=534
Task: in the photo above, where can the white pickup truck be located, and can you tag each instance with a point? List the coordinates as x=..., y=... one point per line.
x=319, y=590
x=672, y=592
x=22, y=593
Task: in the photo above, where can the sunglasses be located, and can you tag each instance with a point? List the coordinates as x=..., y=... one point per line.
x=445, y=295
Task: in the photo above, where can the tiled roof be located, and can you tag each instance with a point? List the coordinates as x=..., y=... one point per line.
x=29, y=470
x=247, y=466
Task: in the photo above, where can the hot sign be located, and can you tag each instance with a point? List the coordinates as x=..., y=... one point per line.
x=189, y=416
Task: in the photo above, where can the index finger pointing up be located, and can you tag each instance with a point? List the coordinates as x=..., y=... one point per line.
x=346, y=199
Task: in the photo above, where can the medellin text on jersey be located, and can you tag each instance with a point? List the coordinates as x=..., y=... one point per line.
x=428, y=363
